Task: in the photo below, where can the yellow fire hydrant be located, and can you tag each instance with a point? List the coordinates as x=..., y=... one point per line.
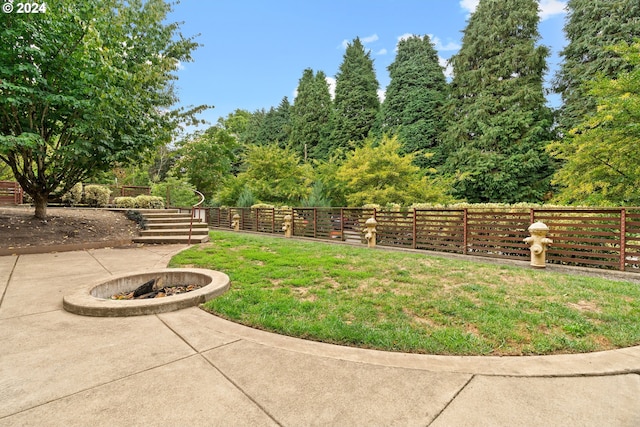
x=236, y=222
x=286, y=226
x=538, y=243
x=370, y=235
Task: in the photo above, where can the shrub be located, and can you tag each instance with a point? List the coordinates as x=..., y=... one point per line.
x=125, y=202
x=73, y=196
x=246, y=198
x=149, y=202
x=137, y=217
x=96, y=196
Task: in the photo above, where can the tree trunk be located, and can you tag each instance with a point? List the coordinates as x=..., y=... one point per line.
x=40, y=202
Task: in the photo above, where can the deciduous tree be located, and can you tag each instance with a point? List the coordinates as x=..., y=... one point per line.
x=272, y=174
x=206, y=158
x=83, y=86
x=378, y=173
x=602, y=153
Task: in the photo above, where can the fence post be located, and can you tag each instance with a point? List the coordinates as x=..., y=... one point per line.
x=465, y=230
x=315, y=223
x=342, y=224
x=256, y=216
x=415, y=231
x=293, y=222
x=623, y=238
x=273, y=220
x=532, y=215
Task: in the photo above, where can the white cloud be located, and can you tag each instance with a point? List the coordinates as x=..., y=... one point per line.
x=548, y=8
x=382, y=94
x=406, y=36
x=443, y=47
x=469, y=5
x=331, y=82
x=381, y=52
x=448, y=69
x=332, y=86
x=369, y=39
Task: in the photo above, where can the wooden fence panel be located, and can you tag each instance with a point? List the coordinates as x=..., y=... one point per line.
x=328, y=223
x=588, y=237
x=440, y=230
x=632, y=240
x=601, y=238
x=395, y=228
x=10, y=193
x=304, y=222
x=265, y=220
x=247, y=219
x=353, y=220
x=498, y=234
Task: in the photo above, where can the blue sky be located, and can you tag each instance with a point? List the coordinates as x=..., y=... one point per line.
x=254, y=51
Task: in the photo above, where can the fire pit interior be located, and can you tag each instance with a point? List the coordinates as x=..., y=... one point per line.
x=187, y=287
x=156, y=288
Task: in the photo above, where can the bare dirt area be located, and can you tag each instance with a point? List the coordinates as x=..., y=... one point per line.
x=19, y=228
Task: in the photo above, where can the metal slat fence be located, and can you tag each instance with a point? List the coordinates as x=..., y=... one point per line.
x=601, y=238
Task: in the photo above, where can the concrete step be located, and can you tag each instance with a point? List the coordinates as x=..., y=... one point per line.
x=173, y=225
x=173, y=219
x=174, y=232
x=146, y=211
x=171, y=239
x=156, y=215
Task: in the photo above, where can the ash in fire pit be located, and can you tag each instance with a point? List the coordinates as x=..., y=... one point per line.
x=154, y=288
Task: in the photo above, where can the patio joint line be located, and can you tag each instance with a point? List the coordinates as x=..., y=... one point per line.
x=99, y=263
x=455, y=396
x=13, y=268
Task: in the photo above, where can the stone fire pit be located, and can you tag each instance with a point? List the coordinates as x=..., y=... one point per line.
x=95, y=300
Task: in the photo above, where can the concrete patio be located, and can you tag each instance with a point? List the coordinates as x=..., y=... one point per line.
x=189, y=368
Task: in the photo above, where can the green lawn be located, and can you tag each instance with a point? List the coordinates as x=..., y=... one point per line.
x=413, y=302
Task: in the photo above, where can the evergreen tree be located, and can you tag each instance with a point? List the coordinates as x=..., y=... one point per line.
x=310, y=116
x=498, y=122
x=356, y=103
x=412, y=108
x=276, y=126
x=591, y=27
x=253, y=134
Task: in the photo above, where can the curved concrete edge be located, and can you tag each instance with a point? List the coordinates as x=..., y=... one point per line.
x=611, y=362
x=33, y=250
x=84, y=303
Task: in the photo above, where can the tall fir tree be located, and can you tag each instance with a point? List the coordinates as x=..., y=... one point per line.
x=277, y=124
x=356, y=103
x=591, y=28
x=252, y=134
x=414, y=100
x=310, y=116
x=498, y=123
